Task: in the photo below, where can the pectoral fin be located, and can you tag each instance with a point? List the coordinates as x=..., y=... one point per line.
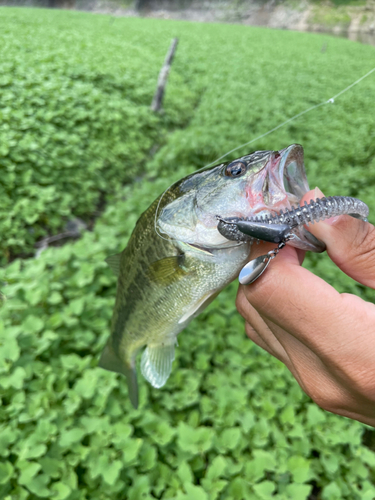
x=110, y=361
x=113, y=262
x=167, y=271
x=156, y=364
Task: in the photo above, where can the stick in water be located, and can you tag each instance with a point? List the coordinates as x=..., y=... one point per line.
x=163, y=77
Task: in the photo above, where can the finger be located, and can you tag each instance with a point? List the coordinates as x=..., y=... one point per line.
x=257, y=339
x=336, y=328
x=282, y=293
x=350, y=244
x=311, y=310
x=306, y=306
x=319, y=380
x=258, y=330
x=303, y=363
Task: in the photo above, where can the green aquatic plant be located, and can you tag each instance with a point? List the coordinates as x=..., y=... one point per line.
x=231, y=422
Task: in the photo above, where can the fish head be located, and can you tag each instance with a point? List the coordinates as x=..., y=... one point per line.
x=258, y=184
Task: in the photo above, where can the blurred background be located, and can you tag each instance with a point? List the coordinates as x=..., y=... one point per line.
x=82, y=155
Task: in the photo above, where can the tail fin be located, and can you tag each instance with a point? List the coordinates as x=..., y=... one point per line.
x=110, y=361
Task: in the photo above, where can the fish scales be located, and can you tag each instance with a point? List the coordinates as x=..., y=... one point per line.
x=167, y=276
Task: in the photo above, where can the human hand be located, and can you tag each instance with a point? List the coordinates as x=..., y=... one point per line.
x=326, y=339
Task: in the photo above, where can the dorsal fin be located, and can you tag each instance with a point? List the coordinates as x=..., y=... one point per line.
x=113, y=262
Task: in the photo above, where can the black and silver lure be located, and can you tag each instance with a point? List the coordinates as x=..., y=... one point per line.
x=279, y=228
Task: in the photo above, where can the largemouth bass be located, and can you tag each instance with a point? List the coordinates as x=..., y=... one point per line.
x=176, y=261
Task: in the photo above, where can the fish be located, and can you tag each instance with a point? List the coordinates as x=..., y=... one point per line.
x=176, y=261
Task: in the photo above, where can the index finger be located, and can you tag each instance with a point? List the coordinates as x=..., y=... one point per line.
x=309, y=308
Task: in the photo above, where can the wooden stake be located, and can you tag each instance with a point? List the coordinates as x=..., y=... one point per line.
x=163, y=77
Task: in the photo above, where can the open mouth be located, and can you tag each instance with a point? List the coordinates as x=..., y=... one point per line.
x=284, y=185
x=279, y=185
x=292, y=170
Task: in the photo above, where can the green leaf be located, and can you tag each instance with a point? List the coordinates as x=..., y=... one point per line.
x=247, y=421
x=7, y=437
x=28, y=471
x=9, y=350
x=238, y=488
x=367, y=491
x=216, y=468
x=60, y=491
x=6, y=472
x=193, y=440
x=330, y=462
x=358, y=469
x=139, y=489
x=367, y=456
x=131, y=450
x=32, y=325
x=76, y=306
x=86, y=386
x=287, y=416
x=297, y=491
x=264, y=489
x=15, y=379
x=256, y=469
x=111, y=471
x=265, y=459
x=229, y=439
x=332, y=492
x=37, y=485
x=159, y=431
x=71, y=436
x=315, y=415
x=192, y=493
x=299, y=467
x=184, y=473
x=55, y=298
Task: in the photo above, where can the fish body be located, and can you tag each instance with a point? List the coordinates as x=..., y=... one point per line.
x=176, y=261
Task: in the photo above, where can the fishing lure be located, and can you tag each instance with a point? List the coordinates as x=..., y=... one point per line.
x=279, y=228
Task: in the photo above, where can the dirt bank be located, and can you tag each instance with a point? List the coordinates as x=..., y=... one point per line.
x=352, y=18
x=356, y=20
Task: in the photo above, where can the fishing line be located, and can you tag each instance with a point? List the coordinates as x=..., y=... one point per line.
x=329, y=101
x=311, y=108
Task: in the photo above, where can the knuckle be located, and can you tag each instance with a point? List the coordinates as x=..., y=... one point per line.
x=361, y=382
x=327, y=400
x=324, y=392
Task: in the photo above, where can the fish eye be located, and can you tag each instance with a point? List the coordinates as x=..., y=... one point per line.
x=235, y=169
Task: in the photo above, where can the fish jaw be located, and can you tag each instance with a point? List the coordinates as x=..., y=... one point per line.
x=280, y=185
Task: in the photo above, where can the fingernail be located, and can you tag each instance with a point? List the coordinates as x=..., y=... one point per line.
x=332, y=220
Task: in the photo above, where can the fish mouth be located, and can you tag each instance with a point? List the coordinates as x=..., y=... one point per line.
x=282, y=183
x=292, y=171
x=288, y=168
x=279, y=184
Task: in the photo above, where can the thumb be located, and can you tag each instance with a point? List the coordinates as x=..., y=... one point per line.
x=350, y=244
